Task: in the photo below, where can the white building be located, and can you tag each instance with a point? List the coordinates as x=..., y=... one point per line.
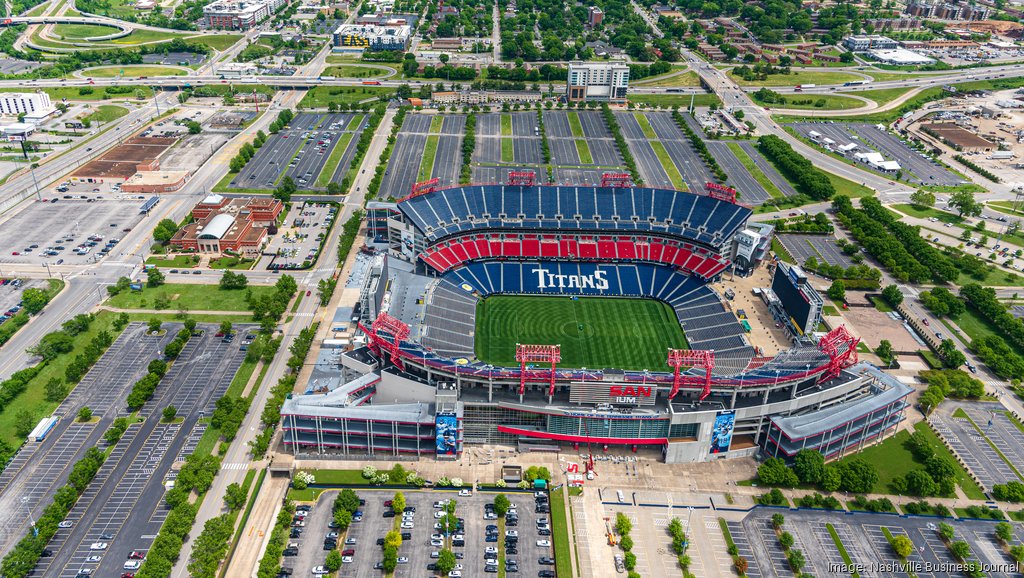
x=877, y=162
x=597, y=81
x=234, y=15
x=389, y=36
x=29, y=103
x=900, y=57
x=862, y=43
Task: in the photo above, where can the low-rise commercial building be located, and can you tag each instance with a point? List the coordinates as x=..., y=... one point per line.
x=229, y=225
x=863, y=43
x=239, y=15
x=373, y=36
x=34, y=103
x=150, y=182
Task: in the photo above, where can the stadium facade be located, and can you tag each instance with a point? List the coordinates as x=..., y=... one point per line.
x=417, y=387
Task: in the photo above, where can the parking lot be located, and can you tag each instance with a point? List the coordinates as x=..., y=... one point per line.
x=916, y=166
x=750, y=191
x=767, y=168
x=974, y=450
x=404, y=166
x=60, y=228
x=416, y=550
x=301, y=151
x=297, y=242
x=821, y=247
x=864, y=540
x=695, y=173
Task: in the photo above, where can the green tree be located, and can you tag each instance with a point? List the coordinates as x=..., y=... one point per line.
x=333, y=561
x=225, y=327
x=234, y=497
x=946, y=531
x=786, y=540
x=626, y=543
x=622, y=524
x=892, y=295
x=922, y=198
x=884, y=350
x=501, y=504
x=55, y=390
x=285, y=190
x=961, y=550
x=837, y=291
x=33, y=300
x=778, y=520
x=343, y=518
x=1004, y=532
x=154, y=278
x=165, y=230
x=392, y=539
x=170, y=412
x=629, y=560
x=398, y=503
x=951, y=356
x=809, y=466
x=84, y=414
x=965, y=203
x=902, y=546
x=154, y=325
x=445, y=562
x=796, y=560
x=24, y=422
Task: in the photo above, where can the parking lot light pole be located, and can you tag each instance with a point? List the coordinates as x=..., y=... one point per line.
x=47, y=265
x=24, y=500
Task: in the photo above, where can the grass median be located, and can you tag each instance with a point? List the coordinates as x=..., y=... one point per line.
x=327, y=173
x=506, y=125
x=759, y=176
x=575, y=125
x=508, y=150
x=583, y=149
x=429, y=154
x=560, y=534
x=673, y=173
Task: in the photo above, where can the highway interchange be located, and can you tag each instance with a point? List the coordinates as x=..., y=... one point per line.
x=86, y=283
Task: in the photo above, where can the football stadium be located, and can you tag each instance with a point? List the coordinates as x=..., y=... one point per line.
x=551, y=316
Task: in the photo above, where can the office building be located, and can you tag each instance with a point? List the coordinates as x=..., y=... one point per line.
x=597, y=81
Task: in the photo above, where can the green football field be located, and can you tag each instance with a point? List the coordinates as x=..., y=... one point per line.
x=594, y=332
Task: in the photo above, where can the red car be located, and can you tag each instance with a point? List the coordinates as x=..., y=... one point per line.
x=307, y=293
x=924, y=320
x=136, y=555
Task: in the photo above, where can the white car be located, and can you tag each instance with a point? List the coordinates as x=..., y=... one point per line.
x=132, y=565
x=455, y=574
x=319, y=571
x=490, y=550
x=346, y=559
x=490, y=516
x=403, y=560
x=98, y=546
x=436, y=537
x=465, y=493
x=437, y=543
x=544, y=543
x=64, y=524
x=510, y=533
x=439, y=514
x=408, y=525
x=94, y=558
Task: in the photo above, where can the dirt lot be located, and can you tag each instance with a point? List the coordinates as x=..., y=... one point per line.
x=873, y=326
x=122, y=161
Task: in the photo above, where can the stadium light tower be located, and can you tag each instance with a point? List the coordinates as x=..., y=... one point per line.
x=525, y=354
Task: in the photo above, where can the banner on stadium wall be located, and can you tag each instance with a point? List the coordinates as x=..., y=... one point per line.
x=446, y=434
x=408, y=246
x=721, y=435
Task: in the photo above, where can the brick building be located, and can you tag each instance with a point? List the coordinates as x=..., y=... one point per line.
x=229, y=225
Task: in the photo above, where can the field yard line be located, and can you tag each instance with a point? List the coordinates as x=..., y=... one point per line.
x=506, y=125
x=332, y=161
x=429, y=153
x=670, y=167
x=645, y=125
x=574, y=124
x=583, y=149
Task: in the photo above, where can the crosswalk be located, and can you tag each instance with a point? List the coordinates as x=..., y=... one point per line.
x=235, y=466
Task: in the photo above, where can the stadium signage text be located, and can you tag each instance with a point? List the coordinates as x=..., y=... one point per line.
x=546, y=279
x=631, y=391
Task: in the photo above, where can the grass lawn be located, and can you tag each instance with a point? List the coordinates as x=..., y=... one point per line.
x=976, y=327
x=799, y=77
x=574, y=124
x=141, y=36
x=179, y=261
x=829, y=310
x=134, y=71
x=881, y=305
x=107, y=113
x=307, y=495
x=831, y=102
x=560, y=534
x=688, y=78
x=319, y=96
x=848, y=187
x=666, y=163
x=882, y=96
x=584, y=151
x=216, y=41
x=231, y=263
x=429, y=153
x=593, y=331
x=80, y=31
x=332, y=161
x=435, y=124
x=1007, y=207
x=508, y=150
x=892, y=459
x=645, y=126
x=192, y=297
x=98, y=93
x=241, y=378
x=780, y=250
x=33, y=400
x=748, y=163
x=354, y=71
x=506, y=125
x=338, y=476
x=928, y=213
x=205, y=318
x=670, y=100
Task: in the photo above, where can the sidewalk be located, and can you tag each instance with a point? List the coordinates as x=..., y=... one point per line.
x=255, y=535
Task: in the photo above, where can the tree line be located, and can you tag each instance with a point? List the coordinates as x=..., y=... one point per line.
x=701, y=148
x=809, y=179
x=271, y=415
x=942, y=268
x=884, y=247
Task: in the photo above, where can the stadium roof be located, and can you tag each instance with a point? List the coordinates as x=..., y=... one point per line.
x=803, y=426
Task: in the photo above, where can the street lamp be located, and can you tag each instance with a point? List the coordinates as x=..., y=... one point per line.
x=24, y=501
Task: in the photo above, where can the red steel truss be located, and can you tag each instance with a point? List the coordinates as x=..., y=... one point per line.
x=423, y=187
x=616, y=180
x=679, y=358
x=522, y=178
x=380, y=343
x=720, y=192
x=550, y=354
x=832, y=346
